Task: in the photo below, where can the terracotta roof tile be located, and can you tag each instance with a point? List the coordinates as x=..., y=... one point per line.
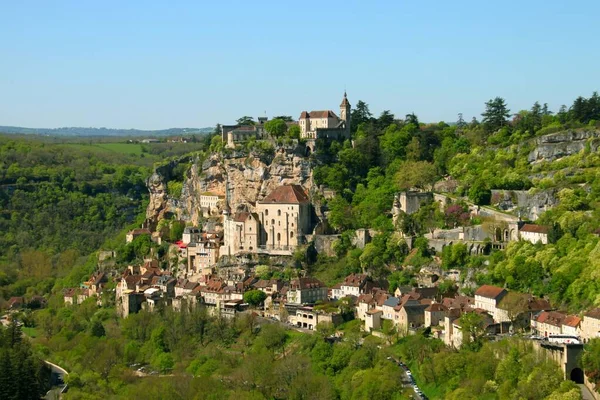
x=572, y=321
x=491, y=292
x=287, y=194
x=534, y=228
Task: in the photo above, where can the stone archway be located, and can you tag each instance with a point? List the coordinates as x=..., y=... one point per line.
x=576, y=375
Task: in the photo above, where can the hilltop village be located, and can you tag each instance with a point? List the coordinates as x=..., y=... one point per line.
x=251, y=227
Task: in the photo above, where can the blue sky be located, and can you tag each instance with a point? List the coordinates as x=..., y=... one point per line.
x=154, y=65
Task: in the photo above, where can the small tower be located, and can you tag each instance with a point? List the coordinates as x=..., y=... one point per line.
x=345, y=114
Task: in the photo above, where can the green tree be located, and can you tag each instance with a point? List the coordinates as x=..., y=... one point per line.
x=245, y=120
x=294, y=132
x=255, y=297
x=416, y=174
x=276, y=127
x=97, y=329
x=496, y=114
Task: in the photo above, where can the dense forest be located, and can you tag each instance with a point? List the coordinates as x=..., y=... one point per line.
x=61, y=202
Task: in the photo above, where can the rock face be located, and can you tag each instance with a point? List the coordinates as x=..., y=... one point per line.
x=529, y=205
x=157, y=186
x=557, y=145
x=248, y=177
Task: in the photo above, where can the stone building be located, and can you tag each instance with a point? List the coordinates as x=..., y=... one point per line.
x=306, y=291
x=278, y=226
x=590, y=325
x=487, y=298
x=325, y=124
x=534, y=233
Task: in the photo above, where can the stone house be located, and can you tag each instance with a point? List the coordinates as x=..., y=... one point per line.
x=183, y=287
x=411, y=316
x=306, y=290
x=353, y=285
x=534, y=233
x=388, y=308
x=191, y=234
x=434, y=314
x=571, y=325
x=202, y=257
x=309, y=318
x=548, y=323
x=487, y=298
x=590, y=325
x=370, y=301
x=373, y=320
x=70, y=296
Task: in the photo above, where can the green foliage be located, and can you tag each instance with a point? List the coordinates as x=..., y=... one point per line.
x=255, y=297
x=276, y=127
x=22, y=374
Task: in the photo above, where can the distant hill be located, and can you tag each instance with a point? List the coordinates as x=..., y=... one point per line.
x=75, y=131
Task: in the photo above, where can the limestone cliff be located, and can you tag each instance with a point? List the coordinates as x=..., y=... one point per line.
x=561, y=144
x=249, y=177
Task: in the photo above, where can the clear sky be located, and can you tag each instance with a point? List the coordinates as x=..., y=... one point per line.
x=160, y=64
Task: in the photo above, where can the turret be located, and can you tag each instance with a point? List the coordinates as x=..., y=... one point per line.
x=345, y=109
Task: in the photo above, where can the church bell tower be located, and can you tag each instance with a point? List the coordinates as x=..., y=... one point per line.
x=345, y=114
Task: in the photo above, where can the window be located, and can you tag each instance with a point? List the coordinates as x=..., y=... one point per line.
x=279, y=213
x=266, y=212
x=291, y=234
x=272, y=222
x=279, y=237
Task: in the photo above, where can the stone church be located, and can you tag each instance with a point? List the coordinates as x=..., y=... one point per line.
x=277, y=226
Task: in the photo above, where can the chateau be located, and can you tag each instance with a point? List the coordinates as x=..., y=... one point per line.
x=277, y=227
x=320, y=124
x=325, y=124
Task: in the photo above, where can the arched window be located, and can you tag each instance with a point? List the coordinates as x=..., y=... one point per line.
x=272, y=222
x=279, y=237
x=291, y=234
x=279, y=213
x=266, y=212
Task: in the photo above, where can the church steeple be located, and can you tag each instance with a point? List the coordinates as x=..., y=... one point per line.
x=345, y=109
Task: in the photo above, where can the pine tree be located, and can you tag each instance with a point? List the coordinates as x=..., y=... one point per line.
x=496, y=115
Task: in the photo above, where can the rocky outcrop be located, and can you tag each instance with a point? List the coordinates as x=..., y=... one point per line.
x=248, y=177
x=561, y=144
x=530, y=205
x=157, y=186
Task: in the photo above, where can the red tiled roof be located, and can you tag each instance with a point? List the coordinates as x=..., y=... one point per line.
x=572, y=321
x=551, y=317
x=287, y=194
x=355, y=280
x=491, y=292
x=534, y=228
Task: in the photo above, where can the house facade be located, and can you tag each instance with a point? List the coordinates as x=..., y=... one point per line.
x=534, y=233
x=487, y=298
x=306, y=291
x=590, y=325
